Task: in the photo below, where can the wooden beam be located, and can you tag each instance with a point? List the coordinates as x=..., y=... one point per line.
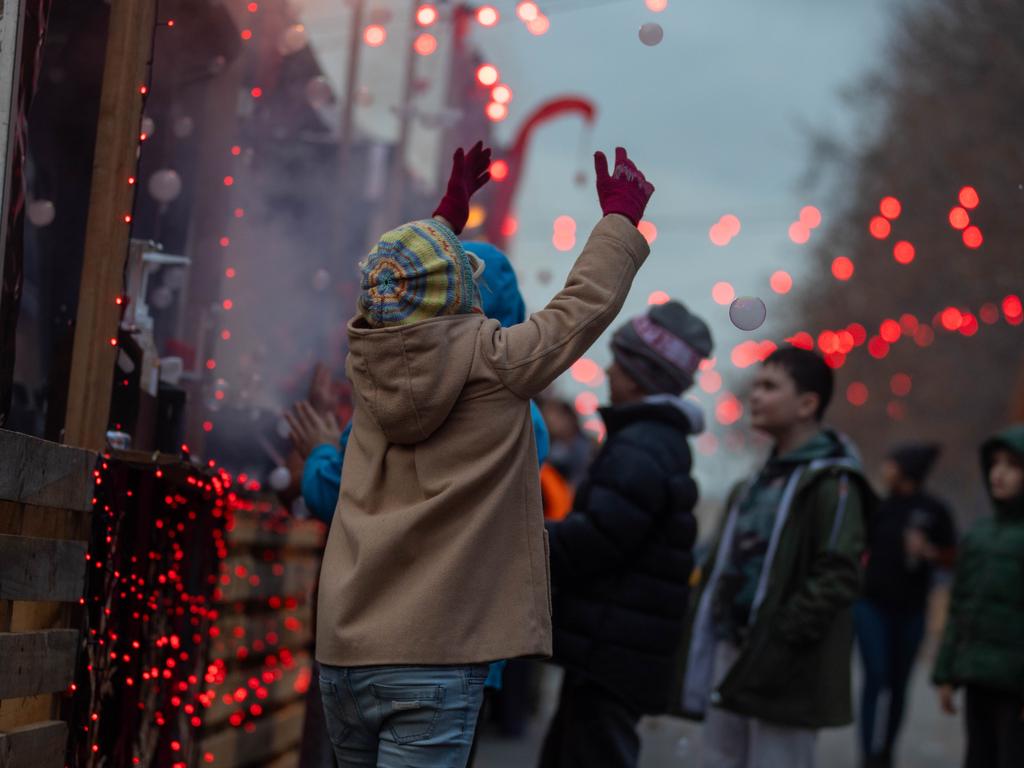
x=32, y=663
x=40, y=745
x=12, y=17
x=41, y=569
x=40, y=472
x=129, y=48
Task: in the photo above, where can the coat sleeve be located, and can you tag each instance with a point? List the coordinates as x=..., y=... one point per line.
x=942, y=672
x=527, y=357
x=834, y=580
x=321, y=477
x=625, y=492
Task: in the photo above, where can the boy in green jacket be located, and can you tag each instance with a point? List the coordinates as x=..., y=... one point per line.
x=983, y=646
x=767, y=662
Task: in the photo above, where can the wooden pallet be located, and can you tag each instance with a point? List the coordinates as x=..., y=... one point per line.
x=265, y=626
x=45, y=506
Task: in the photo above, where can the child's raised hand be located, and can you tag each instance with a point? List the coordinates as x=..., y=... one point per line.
x=625, y=190
x=946, y=699
x=470, y=171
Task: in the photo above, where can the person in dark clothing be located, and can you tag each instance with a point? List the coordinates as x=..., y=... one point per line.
x=983, y=644
x=621, y=560
x=909, y=535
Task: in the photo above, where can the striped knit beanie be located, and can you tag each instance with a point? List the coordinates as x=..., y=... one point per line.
x=418, y=271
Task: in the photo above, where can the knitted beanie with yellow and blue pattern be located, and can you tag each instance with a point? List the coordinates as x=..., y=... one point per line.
x=416, y=272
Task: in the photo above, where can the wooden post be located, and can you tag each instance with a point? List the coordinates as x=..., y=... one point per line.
x=129, y=47
x=12, y=16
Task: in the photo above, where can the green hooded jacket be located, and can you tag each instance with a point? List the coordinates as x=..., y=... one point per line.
x=794, y=667
x=983, y=643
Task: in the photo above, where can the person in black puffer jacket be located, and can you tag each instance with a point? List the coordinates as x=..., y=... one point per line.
x=621, y=561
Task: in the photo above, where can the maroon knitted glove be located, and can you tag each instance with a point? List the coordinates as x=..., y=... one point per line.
x=469, y=173
x=625, y=191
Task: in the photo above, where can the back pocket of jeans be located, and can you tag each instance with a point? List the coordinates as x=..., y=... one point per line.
x=338, y=721
x=410, y=712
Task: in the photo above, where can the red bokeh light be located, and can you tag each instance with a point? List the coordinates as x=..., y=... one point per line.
x=890, y=331
x=586, y=403
x=487, y=16
x=842, y=268
x=959, y=218
x=924, y=336
x=648, y=230
x=828, y=342
x=973, y=237
x=1013, y=310
x=890, y=207
x=496, y=112
x=723, y=293
x=527, y=11
x=719, y=235
x=656, y=6
x=810, y=216
x=781, y=282
x=969, y=198
x=658, y=297
x=425, y=44
x=729, y=410
x=499, y=170
x=908, y=323
x=879, y=227
x=951, y=318
x=586, y=371
x=900, y=384
x=426, y=15
x=730, y=224
x=375, y=35
x=801, y=340
x=539, y=26
x=710, y=381
x=501, y=94
x=989, y=314
x=897, y=411
x=835, y=360
x=487, y=74
x=858, y=332
x=969, y=326
x=878, y=347
x=509, y=226
x=857, y=393
x=799, y=233
x=903, y=252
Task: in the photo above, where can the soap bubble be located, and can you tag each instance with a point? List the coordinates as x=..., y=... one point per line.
x=165, y=185
x=651, y=34
x=292, y=40
x=748, y=313
x=321, y=280
x=318, y=91
x=280, y=478
x=41, y=213
x=184, y=126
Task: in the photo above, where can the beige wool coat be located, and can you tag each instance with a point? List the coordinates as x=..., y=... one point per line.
x=437, y=552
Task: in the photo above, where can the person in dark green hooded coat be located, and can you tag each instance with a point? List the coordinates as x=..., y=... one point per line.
x=983, y=646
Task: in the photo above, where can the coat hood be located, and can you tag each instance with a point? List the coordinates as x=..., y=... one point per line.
x=1010, y=439
x=499, y=288
x=411, y=376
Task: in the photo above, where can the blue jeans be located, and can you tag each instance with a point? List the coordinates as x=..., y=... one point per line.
x=402, y=717
x=889, y=641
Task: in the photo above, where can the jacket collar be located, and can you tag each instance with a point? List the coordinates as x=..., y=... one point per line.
x=678, y=412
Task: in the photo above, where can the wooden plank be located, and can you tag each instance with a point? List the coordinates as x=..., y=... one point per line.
x=273, y=735
x=41, y=569
x=129, y=49
x=15, y=713
x=299, y=534
x=12, y=17
x=40, y=745
x=37, y=662
x=289, y=687
x=35, y=471
x=291, y=577
x=36, y=616
x=287, y=760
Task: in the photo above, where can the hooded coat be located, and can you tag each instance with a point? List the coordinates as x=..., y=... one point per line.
x=438, y=553
x=983, y=643
x=621, y=560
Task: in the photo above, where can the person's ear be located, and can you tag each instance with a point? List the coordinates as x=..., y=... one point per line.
x=807, y=405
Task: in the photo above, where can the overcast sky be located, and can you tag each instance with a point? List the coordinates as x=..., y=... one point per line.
x=714, y=116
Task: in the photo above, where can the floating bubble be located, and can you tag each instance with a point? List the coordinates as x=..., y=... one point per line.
x=544, y=276
x=162, y=297
x=651, y=34
x=280, y=478
x=184, y=126
x=321, y=280
x=165, y=185
x=292, y=40
x=748, y=313
x=41, y=213
x=318, y=91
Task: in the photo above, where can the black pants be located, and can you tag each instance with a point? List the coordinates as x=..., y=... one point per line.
x=995, y=730
x=592, y=728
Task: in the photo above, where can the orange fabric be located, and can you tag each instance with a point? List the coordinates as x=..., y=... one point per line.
x=556, y=492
